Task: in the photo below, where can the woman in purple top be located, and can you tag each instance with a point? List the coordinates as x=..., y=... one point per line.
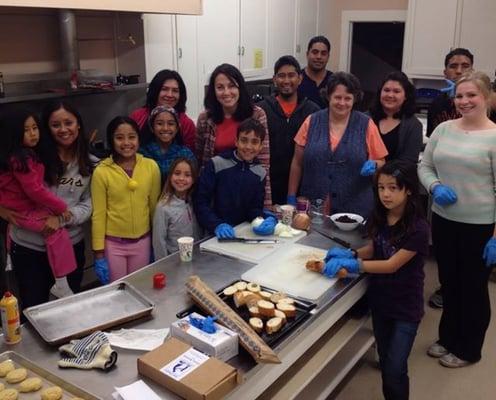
x=395, y=260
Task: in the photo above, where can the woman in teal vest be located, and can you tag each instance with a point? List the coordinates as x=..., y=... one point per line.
x=337, y=150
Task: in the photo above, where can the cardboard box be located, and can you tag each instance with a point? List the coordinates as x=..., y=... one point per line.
x=173, y=365
x=223, y=344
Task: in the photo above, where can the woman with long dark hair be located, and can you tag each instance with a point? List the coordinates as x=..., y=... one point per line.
x=167, y=89
x=227, y=104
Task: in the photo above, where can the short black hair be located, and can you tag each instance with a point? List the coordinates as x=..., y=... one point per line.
x=156, y=86
x=251, y=124
x=319, y=39
x=407, y=108
x=349, y=81
x=287, y=60
x=459, y=51
x=112, y=127
x=214, y=109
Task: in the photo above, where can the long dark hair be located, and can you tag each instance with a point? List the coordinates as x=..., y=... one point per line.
x=214, y=109
x=112, y=127
x=54, y=166
x=407, y=108
x=156, y=85
x=12, y=148
x=168, y=190
x=147, y=135
x=406, y=177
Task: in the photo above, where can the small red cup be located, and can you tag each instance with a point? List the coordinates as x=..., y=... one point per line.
x=159, y=280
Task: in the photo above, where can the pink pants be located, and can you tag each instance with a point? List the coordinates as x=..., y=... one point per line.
x=59, y=248
x=126, y=257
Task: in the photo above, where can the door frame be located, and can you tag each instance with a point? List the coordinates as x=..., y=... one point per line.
x=347, y=20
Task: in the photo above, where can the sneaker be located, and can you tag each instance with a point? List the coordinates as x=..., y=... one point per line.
x=436, y=350
x=61, y=291
x=436, y=299
x=451, y=361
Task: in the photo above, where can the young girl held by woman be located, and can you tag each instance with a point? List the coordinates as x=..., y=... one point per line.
x=124, y=189
x=22, y=189
x=174, y=216
x=395, y=260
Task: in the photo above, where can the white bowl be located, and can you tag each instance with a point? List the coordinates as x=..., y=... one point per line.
x=347, y=226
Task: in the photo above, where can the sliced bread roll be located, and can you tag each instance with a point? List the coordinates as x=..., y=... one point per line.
x=240, y=285
x=315, y=265
x=253, y=287
x=287, y=300
x=229, y=291
x=254, y=311
x=265, y=295
x=256, y=324
x=273, y=325
x=266, y=308
x=276, y=296
x=288, y=309
x=280, y=314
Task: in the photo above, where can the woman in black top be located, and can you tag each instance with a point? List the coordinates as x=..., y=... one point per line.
x=393, y=112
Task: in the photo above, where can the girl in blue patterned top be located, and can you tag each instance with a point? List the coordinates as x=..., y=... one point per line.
x=161, y=138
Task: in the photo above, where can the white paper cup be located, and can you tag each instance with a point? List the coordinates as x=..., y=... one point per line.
x=185, y=244
x=287, y=211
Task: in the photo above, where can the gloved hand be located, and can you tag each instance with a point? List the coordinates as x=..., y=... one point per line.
x=444, y=195
x=338, y=252
x=450, y=89
x=335, y=264
x=224, y=231
x=489, y=254
x=93, y=351
x=268, y=213
x=102, y=270
x=266, y=227
x=291, y=199
x=368, y=168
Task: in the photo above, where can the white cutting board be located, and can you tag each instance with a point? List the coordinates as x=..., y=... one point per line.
x=254, y=253
x=285, y=271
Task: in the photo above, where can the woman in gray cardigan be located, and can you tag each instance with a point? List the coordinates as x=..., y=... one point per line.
x=393, y=112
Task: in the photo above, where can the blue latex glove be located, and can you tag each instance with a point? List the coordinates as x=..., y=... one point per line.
x=338, y=252
x=291, y=199
x=266, y=227
x=268, y=213
x=444, y=195
x=224, y=231
x=368, y=168
x=450, y=89
x=204, y=324
x=102, y=270
x=489, y=254
x=335, y=264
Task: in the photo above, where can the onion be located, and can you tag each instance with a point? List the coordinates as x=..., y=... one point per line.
x=301, y=221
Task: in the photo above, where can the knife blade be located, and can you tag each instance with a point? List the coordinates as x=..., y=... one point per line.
x=248, y=240
x=342, y=242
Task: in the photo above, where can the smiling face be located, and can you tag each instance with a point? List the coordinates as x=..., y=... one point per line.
x=227, y=93
x=341, y=101
x=391, y=195
x=287, y=80
x=31, y=133
x=248, y=145
x=169, y=93
x=125, y=141
x=64, y=127
x=470, y=101
x=181, y=179
x=165, y=128
x=392, y=97
x=317, y=57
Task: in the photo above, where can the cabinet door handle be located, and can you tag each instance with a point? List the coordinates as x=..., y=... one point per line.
x=298, y=48
x=180, y=52
x=242, y=50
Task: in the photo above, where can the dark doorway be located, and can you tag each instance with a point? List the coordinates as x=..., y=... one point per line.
x=377, y=49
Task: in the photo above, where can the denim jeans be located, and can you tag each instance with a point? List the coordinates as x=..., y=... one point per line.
x=394, y=340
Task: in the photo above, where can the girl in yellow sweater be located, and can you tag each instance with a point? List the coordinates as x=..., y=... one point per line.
x=124, y=191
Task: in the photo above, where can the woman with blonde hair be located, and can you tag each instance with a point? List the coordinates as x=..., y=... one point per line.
x=459, y=170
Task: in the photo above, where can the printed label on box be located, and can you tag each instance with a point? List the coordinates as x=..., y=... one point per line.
x=184, y=364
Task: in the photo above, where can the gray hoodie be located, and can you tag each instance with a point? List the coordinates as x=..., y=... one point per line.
x=74, y=189
x=170, y=222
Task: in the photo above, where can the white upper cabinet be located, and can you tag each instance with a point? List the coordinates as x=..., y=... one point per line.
x=282, y=30
x=307, y=12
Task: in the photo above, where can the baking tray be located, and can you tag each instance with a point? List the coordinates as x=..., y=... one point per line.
x=48, y=379
x=81, y=314
x=303, y=309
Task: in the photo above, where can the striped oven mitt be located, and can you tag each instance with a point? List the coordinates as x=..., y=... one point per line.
x=93, y=351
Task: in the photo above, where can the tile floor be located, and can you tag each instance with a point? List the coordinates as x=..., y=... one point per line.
x=428, y=379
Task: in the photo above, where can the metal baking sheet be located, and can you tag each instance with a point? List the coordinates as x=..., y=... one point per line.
x=70, y=391
x=97, y=309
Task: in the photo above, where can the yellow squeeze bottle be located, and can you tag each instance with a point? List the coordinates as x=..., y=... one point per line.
x=10, y=319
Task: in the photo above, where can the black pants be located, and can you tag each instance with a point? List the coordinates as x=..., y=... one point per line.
x=464, y=280
x=34, y=275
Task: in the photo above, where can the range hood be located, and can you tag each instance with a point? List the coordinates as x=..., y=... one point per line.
x=193, y=7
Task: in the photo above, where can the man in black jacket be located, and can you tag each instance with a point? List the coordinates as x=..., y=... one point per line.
x=285, y=111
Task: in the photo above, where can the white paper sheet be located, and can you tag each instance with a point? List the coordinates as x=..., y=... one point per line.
x=138, y=390
x=137, y=339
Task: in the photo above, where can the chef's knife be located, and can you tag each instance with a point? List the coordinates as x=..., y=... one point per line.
x=248, y=240
x=342, y=242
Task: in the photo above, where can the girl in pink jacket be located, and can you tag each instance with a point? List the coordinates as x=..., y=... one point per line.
x=22, y=190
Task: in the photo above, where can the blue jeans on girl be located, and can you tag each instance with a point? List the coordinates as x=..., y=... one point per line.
x=394, y=340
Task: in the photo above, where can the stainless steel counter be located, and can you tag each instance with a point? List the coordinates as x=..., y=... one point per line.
x=217, y=271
